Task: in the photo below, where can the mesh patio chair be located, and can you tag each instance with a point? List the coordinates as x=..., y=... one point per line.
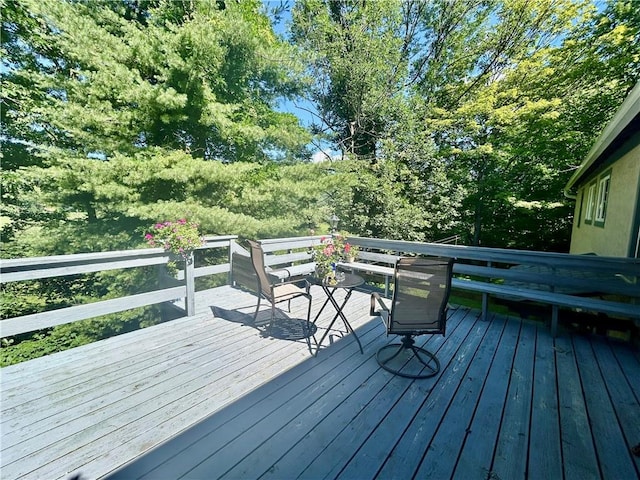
x=272, y=289
x=419, y=306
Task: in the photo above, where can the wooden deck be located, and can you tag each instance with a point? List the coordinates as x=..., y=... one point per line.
x=210, y=397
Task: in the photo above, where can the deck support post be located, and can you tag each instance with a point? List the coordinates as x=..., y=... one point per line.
x=554, y=321
x=485, y=299
x=485, y=306
x=189, y=276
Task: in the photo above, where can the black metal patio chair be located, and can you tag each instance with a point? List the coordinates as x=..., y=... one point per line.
x=418, y=307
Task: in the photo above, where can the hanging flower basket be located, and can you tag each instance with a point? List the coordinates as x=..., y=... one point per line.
x=180, y=237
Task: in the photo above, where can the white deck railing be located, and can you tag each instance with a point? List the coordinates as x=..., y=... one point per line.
x=36, y=268
x=561, y=280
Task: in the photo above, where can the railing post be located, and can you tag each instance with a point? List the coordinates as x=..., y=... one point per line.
x=485, y=299
x=554, y=321
x=189, y=276
x=554, y=310
x=230, y=276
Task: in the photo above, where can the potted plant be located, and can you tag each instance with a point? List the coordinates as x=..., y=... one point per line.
x=332, y=250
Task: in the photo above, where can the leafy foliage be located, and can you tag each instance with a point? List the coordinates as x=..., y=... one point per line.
x=100, y=77
x=356, y=59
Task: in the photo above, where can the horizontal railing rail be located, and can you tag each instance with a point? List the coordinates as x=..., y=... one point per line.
x=35, y=268
x=503, y=255
x=452, y=239
x=290, y=257
x=601, y=284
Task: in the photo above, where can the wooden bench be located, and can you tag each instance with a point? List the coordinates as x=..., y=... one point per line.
x=596, y=284
x=374, y=263
x=559, y=280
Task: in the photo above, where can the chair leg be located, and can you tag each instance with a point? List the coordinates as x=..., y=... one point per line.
x=308, y=328
x=432, y=364
x=255, y=315
x=273, y=316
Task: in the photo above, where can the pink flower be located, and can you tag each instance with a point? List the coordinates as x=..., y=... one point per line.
x=328, y=251
x=148, y=236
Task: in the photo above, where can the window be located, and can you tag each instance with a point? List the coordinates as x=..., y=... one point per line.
x=603, y=197
x=591, y=200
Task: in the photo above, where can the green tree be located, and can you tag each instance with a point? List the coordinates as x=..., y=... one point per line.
x=355, y=57
x=513, y=121
x=105, y=77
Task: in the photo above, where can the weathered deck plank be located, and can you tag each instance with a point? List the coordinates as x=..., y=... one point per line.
x=613, y=452
x=380, y=425
x=443, y=451
x=578, y=451
x=510, y=458
x=240, y=416
x=359, y=416
x=475, y=457
x=407, y=454
x=212, y=397
x=545, y=451
x=623, y=400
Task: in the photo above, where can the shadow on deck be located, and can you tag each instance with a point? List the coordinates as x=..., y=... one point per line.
x=212, y=397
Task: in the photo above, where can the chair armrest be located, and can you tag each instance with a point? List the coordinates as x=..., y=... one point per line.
x=278, y=275
x=307, y=285
x=372, y=309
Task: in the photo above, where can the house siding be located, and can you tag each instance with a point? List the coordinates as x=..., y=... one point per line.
x=618, y=235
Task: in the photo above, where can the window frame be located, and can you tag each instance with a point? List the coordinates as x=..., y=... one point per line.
x=591, y=201
x=580, y=208
x=602, y=199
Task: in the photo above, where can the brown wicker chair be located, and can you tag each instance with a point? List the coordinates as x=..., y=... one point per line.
x=419, y=306
x=272, y=289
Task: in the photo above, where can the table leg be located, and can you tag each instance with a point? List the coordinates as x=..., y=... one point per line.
x=326, y=291
x=339, y=313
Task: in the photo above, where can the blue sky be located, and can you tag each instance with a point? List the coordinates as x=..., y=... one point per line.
x=281, y=29
x=289, y=106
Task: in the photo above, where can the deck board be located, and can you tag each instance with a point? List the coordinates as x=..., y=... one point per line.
x=407, y=454
x=578, y=450
x=623, y=400
x=355, y=418
x=444, y=448
x=510, y=458
x=390, y=422
x=212, y=396
x=545, y=457
x=474, y=459
x=615, y=462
